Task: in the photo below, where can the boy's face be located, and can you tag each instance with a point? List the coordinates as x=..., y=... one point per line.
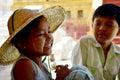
x=105, y=29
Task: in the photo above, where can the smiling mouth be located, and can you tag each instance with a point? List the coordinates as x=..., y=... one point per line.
x=48, y=46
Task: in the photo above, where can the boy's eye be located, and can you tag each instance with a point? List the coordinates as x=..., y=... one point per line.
x=97, y=23
x=109, y=25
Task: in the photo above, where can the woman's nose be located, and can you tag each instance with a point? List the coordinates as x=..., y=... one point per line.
x=49, y=37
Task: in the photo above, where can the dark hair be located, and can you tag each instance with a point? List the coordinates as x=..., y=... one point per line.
x=110, y=10
x=25, y=32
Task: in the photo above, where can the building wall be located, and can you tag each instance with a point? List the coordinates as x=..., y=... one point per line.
x=74, y=21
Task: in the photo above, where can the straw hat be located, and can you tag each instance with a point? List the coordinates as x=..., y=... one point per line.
x=18, y=20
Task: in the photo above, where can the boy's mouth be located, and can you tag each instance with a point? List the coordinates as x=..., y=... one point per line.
x=103, y=36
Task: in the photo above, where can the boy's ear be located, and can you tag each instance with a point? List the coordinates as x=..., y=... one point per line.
x=118, y=33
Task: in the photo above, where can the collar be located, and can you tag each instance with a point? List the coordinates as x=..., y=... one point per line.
x=115, y=47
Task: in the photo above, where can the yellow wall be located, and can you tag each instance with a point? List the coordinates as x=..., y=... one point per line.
x=69, y=5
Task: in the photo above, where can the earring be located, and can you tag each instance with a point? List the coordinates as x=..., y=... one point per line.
x=24, y=47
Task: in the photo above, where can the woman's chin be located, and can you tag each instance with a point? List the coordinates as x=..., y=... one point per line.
x=47, y=54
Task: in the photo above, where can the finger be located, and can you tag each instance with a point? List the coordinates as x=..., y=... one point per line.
x=66, y=65
x=59, y=65
x=58, y=68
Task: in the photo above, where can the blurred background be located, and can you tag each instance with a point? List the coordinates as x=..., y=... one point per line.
x=77, y=23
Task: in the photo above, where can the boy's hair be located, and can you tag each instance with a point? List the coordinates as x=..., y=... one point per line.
x=110, y=10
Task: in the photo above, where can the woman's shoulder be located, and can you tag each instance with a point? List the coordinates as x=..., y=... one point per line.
x=23, y=67
x=23, y=63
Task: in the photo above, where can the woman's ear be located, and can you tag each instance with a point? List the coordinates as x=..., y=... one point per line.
x=118, y=33
x=21, y=44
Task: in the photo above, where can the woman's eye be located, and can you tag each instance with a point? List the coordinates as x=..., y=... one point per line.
x=40, y=34
x=49, y=32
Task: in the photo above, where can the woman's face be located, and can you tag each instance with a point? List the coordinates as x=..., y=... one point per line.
x=105, y=29
x=40, y=39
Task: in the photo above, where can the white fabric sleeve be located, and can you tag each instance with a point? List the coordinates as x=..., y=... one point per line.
x=76, y=55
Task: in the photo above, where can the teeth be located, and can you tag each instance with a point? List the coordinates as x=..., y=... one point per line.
x=48, y=46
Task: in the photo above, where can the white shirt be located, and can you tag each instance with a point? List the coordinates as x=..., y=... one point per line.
x=88, y=52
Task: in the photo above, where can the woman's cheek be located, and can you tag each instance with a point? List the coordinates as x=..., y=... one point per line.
x=38, y=44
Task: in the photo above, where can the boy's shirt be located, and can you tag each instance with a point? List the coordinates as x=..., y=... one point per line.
x=88, y=52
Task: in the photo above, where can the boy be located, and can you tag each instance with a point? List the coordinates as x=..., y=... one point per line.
x=98, y=52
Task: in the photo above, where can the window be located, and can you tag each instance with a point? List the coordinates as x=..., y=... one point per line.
x=80, y=14
x=47, y=0
x=68, y=14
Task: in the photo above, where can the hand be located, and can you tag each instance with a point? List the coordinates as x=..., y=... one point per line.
x=61, y=72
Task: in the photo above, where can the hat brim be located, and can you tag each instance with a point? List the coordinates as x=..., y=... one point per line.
x=55, y=17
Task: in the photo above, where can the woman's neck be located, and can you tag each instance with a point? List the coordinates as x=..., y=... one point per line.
x=37, y=60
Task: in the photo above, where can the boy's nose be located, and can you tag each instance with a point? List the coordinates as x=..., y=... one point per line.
x=102, y=27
